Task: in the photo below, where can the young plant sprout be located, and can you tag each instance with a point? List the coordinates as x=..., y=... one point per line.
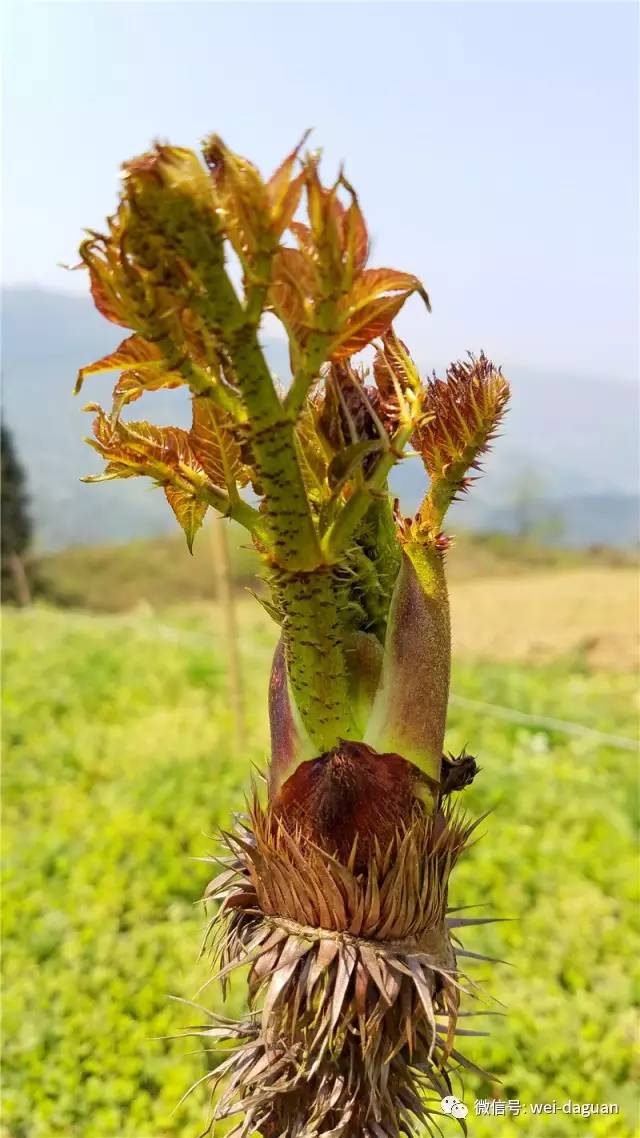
x=335, y=887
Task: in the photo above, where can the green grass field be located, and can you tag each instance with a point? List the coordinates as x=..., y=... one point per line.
x=120, y=766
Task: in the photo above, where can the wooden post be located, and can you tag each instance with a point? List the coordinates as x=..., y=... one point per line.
x=225, y=596
x=20, y=580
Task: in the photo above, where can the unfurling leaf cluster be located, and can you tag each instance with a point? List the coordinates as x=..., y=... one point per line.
x=160, y=270
x=335, y=894
x=305, y=468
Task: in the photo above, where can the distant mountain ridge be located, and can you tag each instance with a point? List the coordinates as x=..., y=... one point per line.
x=580, y=436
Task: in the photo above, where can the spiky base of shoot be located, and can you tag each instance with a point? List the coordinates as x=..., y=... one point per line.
x=354, y=987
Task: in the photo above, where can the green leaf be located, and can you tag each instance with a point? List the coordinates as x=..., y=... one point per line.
x=311, y=454
x=189, y=511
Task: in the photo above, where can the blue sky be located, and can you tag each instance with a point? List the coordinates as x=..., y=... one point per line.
x=494, y=147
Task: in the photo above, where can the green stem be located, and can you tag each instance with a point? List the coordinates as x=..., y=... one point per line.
x=337, y=536
x=289, y=531
x=201, y=383
x=240, y=511
x=313, y=357
x=313, y=627
x=436, y=503
x=185, y=230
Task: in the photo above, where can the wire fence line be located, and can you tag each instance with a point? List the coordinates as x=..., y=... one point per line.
x=512, y=715
x=509, y=714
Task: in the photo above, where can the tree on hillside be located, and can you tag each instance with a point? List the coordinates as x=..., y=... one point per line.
x=534, y=518
x=16, y=524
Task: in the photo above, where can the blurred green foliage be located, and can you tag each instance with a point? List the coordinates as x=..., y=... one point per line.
x=158, y=571
x=118, y=765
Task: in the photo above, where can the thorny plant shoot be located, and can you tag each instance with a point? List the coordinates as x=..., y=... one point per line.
x=334, y=885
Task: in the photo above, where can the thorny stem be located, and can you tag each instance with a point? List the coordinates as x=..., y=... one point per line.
x=237, y=509
x=288, y=530
x=315, y=645
x=342, y=529
x=330, y=542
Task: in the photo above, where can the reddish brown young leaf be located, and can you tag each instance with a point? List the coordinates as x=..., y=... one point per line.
x=325, y=223
x=372, y=303
x=393, y=368
x=283, y=213
x=142, y=448
x=242, y=199
x=105, y=295
x=374, y=283
x=213, y=443
x=133, y=350
x=303, y=236
x=284, y=190
x=293, y=287
x=280, y=181
x=139, y=270
x=132, y=384
x=298, y=270
x=396, y=377
x=356, y=237
x=161, y=453
x=322, y=286
x=348, y=412
x=369, y=320
x=288, y=305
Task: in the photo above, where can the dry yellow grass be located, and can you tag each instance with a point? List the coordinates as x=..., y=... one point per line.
x=542, y=615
